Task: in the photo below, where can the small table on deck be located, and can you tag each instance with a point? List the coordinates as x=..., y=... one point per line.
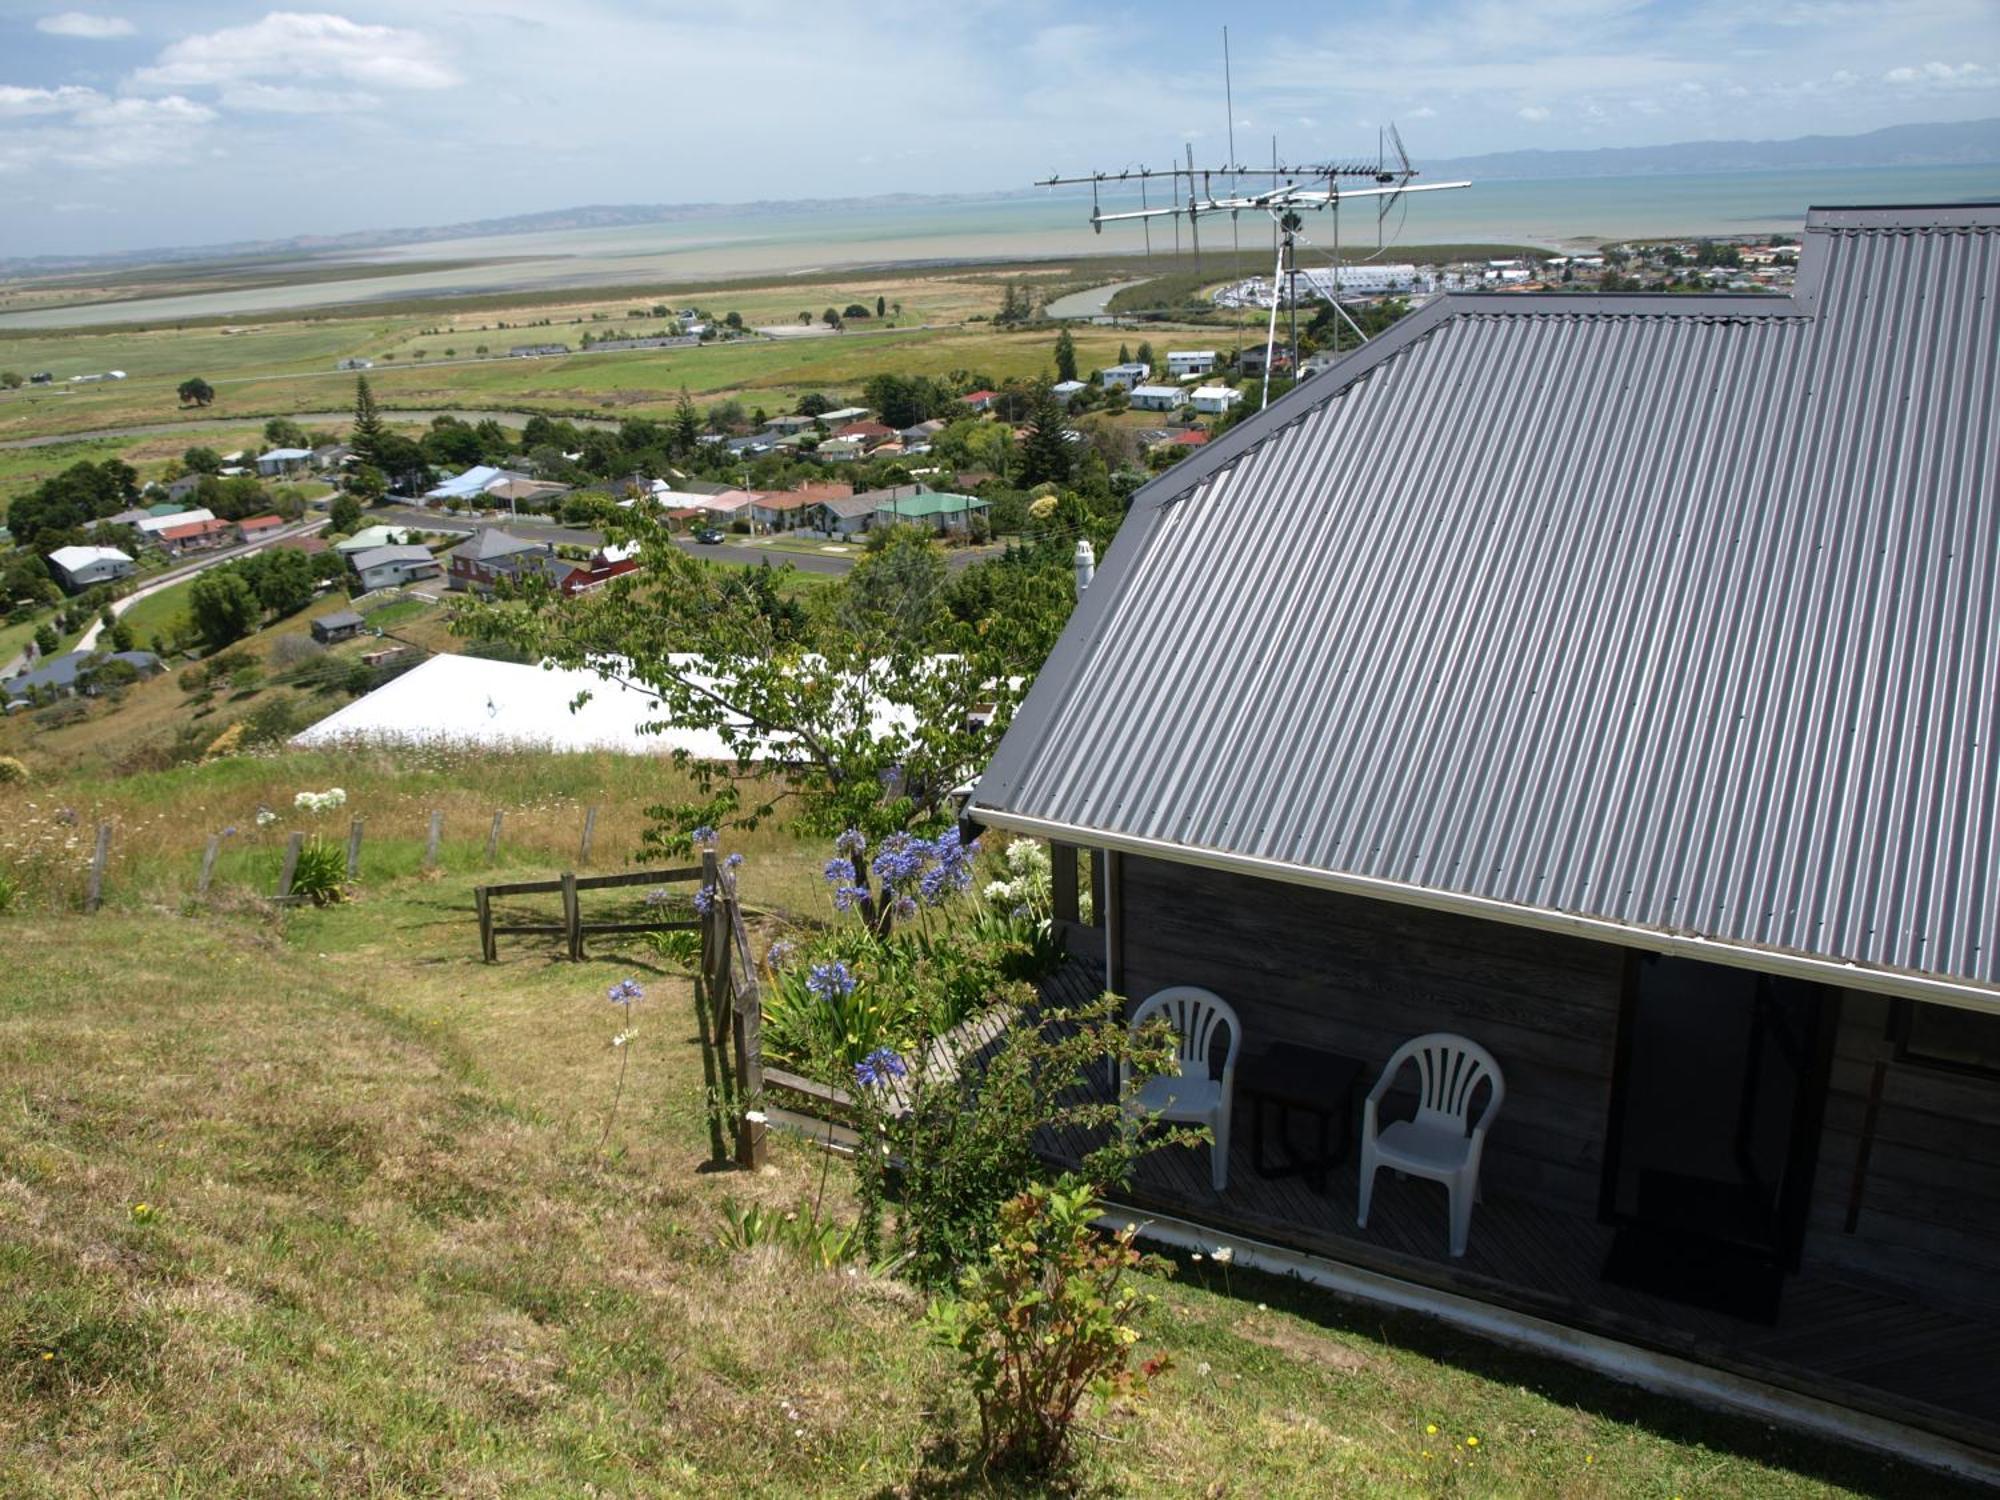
x=1317, y=1083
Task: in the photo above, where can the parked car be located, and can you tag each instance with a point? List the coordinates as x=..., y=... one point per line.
x=708, y=536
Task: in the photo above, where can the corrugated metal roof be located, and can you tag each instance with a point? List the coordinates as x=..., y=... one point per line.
x=1677, y=614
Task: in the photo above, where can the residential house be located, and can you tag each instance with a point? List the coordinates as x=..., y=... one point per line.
x=470, y=485
x=494, y=556
x=781, y=510
x=259, y=528
x=1214, y=400
x=179, y=491
x=843, y=416
x=851, y=514
x=158, y=523
x=605, y=564
x=73, y=673
x=1066, y=391
x=1125, y=376
x=196, y=536
x=789, y=426
x=339, y=625
x=392, y=567
x=1670, y=783
x=515, y=490
x=981, y=400
x=870, y=434
x=1182, y=363
x=1158, y=397
x=81, y=567
x=1250, y=361
x=281, y=461
x=1190, y=437
x=329, y=456
x=920, y=434
x=841, y=449
x=368, y=538
x=948, y=515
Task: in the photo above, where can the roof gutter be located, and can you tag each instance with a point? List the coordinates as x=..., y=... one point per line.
x=1898, y=983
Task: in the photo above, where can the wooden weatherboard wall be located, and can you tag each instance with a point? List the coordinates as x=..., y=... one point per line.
x=1360, y=977
x=1907, y=1187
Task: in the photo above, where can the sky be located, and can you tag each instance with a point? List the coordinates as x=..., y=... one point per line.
x=157, y=123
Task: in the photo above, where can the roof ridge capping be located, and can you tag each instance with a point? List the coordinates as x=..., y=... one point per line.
x=1904, y=216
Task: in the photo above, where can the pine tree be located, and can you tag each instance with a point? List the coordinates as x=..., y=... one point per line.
x=1065, y=356
x=687, y=425
x=1046, y=455
x=369, y=429
x=1124, y=355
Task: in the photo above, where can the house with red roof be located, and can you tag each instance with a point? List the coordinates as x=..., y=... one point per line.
x=197, y=536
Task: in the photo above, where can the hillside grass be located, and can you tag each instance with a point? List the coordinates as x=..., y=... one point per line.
x=315, y=1204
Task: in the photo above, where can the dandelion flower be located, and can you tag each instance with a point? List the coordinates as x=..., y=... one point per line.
x=1430, y=1429
x=1223, y=1255
x=1472, y=1442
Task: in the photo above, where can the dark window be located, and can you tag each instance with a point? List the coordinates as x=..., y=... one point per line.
x=1947, y=1038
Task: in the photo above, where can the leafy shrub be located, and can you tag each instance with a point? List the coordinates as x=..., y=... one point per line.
x=271, y=722
x=1050, y=1319
x=821, y=1242
x=10, y=892
x=321, y=876
x=12, y=772
x=966, y=1141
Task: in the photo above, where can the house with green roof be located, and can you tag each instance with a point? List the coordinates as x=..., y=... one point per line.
x=943, y=513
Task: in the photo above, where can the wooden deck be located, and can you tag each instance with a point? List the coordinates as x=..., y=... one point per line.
x=1835, y=1339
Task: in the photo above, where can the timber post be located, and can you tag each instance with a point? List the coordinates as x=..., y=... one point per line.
x=589, y=833
x=483, y=904
x=493, y=838
x=572, y=916
x=752, y=1150
x=208, y=854
x=354, y=850
x=93, y=896
x=708, y=1002
x=291, y=867
x=431, y=844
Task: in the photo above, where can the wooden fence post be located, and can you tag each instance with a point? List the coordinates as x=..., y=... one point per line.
x=431, y=846
x=589, y=829
x=709, y=991
x=747, y=1007
x=493, y=838
x=292, y=846
x=208, y=855
x=354, y=850
x=93, y=896
x=483, y=904
x=572, y=915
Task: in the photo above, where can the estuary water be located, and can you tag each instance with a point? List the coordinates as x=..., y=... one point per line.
x=683, y=253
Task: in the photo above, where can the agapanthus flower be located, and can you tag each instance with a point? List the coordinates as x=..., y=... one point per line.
x=703, y=837
x=838, y=871
x=734, y=862
x=780, y=953
x=879, y=1067
x=906, y=907
x=848, y=897
x=704, y=899
x=625, y=991
x=830, y=981
x=900, y=860
x=659, y=896
x=851, y=843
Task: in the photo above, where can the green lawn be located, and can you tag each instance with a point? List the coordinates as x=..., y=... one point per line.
x=316, y=1204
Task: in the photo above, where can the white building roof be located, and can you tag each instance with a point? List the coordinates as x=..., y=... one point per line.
x=153, y=525
x=70, y=559
x=1190, y=354
x=285, y=455
x=462, y=486
x=467, y=700
x=1217, y=393
x=1158, y=392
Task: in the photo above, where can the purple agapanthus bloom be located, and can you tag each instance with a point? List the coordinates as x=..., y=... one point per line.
x=830, y=981
x=838, y=871
x=851, y=843
x=879, y=1067
x=848, y=897
x=780, y=954
x=704, y=899
x=703, y=836
x=906, y=907
x=901, y=859
x=734, y=862
x=625, y=991
x=659, y=896
x=229, y=832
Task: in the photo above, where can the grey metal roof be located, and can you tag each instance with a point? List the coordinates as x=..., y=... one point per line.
x=1678, y=615
x=63, y=671
x=382, y=557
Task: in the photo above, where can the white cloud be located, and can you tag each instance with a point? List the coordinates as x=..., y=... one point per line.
x=1533, y=113
x=291, y=45
x=16, y=101
x=1422, y=112
x=1944, y=75
x=79, y=24
x=90, y=132
x=283, y=99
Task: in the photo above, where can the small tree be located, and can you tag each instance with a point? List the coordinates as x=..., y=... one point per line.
x=344, y=515
x=195, y=392
x=11, y=379
x=46, y=639
x=369, y=429
x=1065, y=356
x=202, y=461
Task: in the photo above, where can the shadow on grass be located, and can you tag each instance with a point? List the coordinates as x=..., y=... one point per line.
x=1668, y=1417
x=949, y=1468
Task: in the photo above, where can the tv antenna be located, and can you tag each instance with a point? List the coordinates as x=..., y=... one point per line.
x=1294, y=190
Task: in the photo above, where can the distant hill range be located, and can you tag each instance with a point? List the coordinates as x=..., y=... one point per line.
x=1965, y=144
x=1968, y=143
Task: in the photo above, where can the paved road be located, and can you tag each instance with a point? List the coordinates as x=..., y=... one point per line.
x=172, y=576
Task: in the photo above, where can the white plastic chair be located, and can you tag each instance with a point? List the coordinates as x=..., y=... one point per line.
x=1192, y=1096
x=1436, y=1144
